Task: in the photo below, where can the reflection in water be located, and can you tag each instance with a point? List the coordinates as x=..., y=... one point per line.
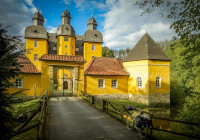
x=161, y=113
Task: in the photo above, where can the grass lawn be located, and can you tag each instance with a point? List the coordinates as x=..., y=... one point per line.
x=22, y=108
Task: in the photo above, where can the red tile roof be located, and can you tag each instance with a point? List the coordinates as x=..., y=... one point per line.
x=27, y=65
x=105, y=66
x=53, y=57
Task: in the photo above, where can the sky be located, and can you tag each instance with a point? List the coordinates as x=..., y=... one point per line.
x=119, y=21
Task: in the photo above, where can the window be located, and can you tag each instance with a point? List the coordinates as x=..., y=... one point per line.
x=35, y=57
x=65, y=38
x=77, y=49
x=158, y=82
x=65, y=46
x=36, y=43
x=72, y=47
x=72, y=40
x=101, y=83
x=54, y=48
x=93, y=47
x=18, y=83
x=114, y=83
x=66, y=54
x=139, y=82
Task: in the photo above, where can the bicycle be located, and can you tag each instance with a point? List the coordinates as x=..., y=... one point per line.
x=138, y=121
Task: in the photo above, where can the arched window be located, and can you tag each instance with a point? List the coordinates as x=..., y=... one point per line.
x=93, y=47
x=35, y=57
x=36, y=44
x=158, y=82
x=139, y=82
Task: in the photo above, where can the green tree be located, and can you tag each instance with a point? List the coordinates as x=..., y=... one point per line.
x=184, y=13
x=9, y=68
x=106, y=52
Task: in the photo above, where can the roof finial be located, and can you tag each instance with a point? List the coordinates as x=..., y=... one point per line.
x=92, y=13
x=38, y=7
x=66, y=4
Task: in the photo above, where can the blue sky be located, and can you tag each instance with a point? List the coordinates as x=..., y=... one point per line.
x=120, y=21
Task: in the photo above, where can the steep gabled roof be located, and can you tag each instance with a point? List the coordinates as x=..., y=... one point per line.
x=54, y=57
x=105, y=66
x=146, y=49
x=27, y=65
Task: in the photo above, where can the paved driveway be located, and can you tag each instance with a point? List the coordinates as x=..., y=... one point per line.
x=71, y=118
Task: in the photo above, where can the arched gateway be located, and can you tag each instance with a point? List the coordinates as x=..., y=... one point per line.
x=53, y=63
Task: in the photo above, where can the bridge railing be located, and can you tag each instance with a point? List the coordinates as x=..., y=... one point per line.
x=119, y=110
x=40, y=125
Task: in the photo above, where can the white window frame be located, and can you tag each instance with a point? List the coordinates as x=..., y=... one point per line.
x=158, y=82
x=77, y=49
x=17, y=83
x=36, y=44
x=101, y=87
x=66, y=54
x=93, y=47
x=54, y=48
x=35, y=57
x=139, y=82
x=115, y=83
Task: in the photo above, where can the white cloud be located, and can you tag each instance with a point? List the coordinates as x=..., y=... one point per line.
x=30, y=3
x=52, y=29
x=18, y=14
x=124, y=25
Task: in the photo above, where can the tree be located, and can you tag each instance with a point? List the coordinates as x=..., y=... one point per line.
x=9, y=68
x=106, y=52
x=184, y=13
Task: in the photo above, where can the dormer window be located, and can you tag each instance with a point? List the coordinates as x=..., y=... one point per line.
x=35, y=31
x=67, y=29
x=36, y=44
x=95, y=35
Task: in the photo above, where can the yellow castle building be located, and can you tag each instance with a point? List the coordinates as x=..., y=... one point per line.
x=66, y=61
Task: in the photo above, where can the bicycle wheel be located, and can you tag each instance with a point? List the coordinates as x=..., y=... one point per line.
x=141, y=132
x=129, y=124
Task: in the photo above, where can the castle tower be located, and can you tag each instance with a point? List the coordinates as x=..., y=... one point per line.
x=36, y=39
x=92, y=41
x=65, y=36
x=149, y=68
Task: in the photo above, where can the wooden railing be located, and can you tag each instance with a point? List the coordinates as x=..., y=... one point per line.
x=40, y=125
x=120, y=109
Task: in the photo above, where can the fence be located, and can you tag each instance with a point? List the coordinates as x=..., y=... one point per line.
x=119, y=110
x=40, y=125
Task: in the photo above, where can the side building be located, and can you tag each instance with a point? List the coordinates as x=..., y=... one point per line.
x=149, y=69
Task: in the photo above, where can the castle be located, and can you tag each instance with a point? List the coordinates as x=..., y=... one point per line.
x=64, y=60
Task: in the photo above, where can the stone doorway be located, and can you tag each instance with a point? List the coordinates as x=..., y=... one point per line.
x=67, y=83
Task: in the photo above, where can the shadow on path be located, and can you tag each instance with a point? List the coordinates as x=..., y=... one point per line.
x=71, y=118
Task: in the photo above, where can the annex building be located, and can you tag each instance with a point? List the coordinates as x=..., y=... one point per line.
x=65, y=60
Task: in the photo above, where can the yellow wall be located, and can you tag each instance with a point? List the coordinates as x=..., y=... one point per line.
x=61, y=50
x=137, y=69
x=40, y=50
x=91, y=85
x=161, y=69
x=28, y=81
x=88, y=52
x=45, y=74
x=148, y=70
